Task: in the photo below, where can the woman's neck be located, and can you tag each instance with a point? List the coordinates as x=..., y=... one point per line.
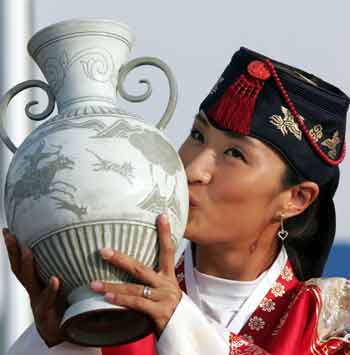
x=226, y=262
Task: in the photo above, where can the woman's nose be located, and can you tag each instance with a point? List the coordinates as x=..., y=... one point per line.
x=201, y=167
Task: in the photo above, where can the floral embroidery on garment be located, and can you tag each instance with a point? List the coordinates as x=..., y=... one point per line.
x=285, y=315
x=267, y=305
x=286, y=123
x=256, y=323
x=237, y=343
x=287, y=274
x=239, y=346
x=278, y=289
x=273, y=306
x=248, y=337
x=280, y=324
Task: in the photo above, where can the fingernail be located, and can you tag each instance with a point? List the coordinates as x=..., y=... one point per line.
x=106, y=253
x=96, y=285
x=164, y=218
x=109, y=297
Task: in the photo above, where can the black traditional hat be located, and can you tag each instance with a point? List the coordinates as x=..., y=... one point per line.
x=299, y=115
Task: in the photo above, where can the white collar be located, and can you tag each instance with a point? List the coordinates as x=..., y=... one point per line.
x=239, y=320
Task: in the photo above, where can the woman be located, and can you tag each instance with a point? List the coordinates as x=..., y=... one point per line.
x=262, y=166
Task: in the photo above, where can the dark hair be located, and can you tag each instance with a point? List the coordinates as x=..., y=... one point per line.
x=302, y=229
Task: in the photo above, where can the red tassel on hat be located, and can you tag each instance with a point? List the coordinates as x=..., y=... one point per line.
x=234, y=109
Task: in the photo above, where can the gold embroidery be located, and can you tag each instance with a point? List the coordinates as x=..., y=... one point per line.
x=278, y=289
x=236, y=342
x=256, y=323
x=317, y=132
x=267, y=305
x=287, y=274
x=280, y=324
x=284, y=317
x=331, y=144
x=287, y=123
x=248, y=338
x=334, y=298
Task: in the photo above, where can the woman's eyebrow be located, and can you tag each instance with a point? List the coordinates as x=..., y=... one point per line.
x=245, y=140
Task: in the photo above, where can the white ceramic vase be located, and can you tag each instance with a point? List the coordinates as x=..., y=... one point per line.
x=93, y=176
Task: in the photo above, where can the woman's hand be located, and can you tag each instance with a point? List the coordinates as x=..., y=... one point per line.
x=165, y=293
x=46, y=305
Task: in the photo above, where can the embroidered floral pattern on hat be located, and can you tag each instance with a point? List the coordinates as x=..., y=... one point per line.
x=286, y=123
x=287, y=274
x=316, y=132
x=278, y=289
x=331, y=144
x=267, y=305
x=256, y=323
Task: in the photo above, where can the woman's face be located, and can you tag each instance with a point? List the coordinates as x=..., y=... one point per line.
x=234, y=183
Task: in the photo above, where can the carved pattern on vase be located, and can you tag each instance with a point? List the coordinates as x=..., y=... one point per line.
x=125, y=170
x=36, y=181
x=156, y=203
x=97, y=65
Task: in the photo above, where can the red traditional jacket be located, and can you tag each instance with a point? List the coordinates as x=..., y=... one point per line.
x=294, y=318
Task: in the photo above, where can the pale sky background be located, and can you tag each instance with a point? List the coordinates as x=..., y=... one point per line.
x=197, y=39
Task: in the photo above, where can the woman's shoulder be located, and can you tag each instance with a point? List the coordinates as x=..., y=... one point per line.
x=333, y=303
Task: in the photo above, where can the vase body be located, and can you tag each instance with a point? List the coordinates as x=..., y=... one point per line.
x=93, y=176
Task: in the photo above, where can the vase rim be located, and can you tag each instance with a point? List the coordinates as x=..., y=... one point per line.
x=79, y=26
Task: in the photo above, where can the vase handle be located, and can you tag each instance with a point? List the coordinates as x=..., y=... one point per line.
x=124, y=71
x=5, y=100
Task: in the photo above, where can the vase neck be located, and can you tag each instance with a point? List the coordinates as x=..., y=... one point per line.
x=81, y=61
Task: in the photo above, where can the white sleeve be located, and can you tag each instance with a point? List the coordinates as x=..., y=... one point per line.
x=189, y=332
x=30, y=342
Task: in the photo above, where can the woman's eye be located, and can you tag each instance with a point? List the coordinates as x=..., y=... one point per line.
x=236, y=153
x=196, y=135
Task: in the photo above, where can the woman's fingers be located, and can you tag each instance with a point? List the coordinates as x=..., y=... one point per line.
x=22, y=265
x=167, y=250
x=29, y=276
x=134, y=302
x=136, y=269
x=13, y=251
x=47, y=299
x=126, y=289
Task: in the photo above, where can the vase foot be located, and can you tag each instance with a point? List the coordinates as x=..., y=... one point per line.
x=95, y=322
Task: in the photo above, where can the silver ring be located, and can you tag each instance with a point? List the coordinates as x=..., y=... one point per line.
x=147, y=292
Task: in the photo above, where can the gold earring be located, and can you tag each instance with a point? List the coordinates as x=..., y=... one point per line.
x=282, y=233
